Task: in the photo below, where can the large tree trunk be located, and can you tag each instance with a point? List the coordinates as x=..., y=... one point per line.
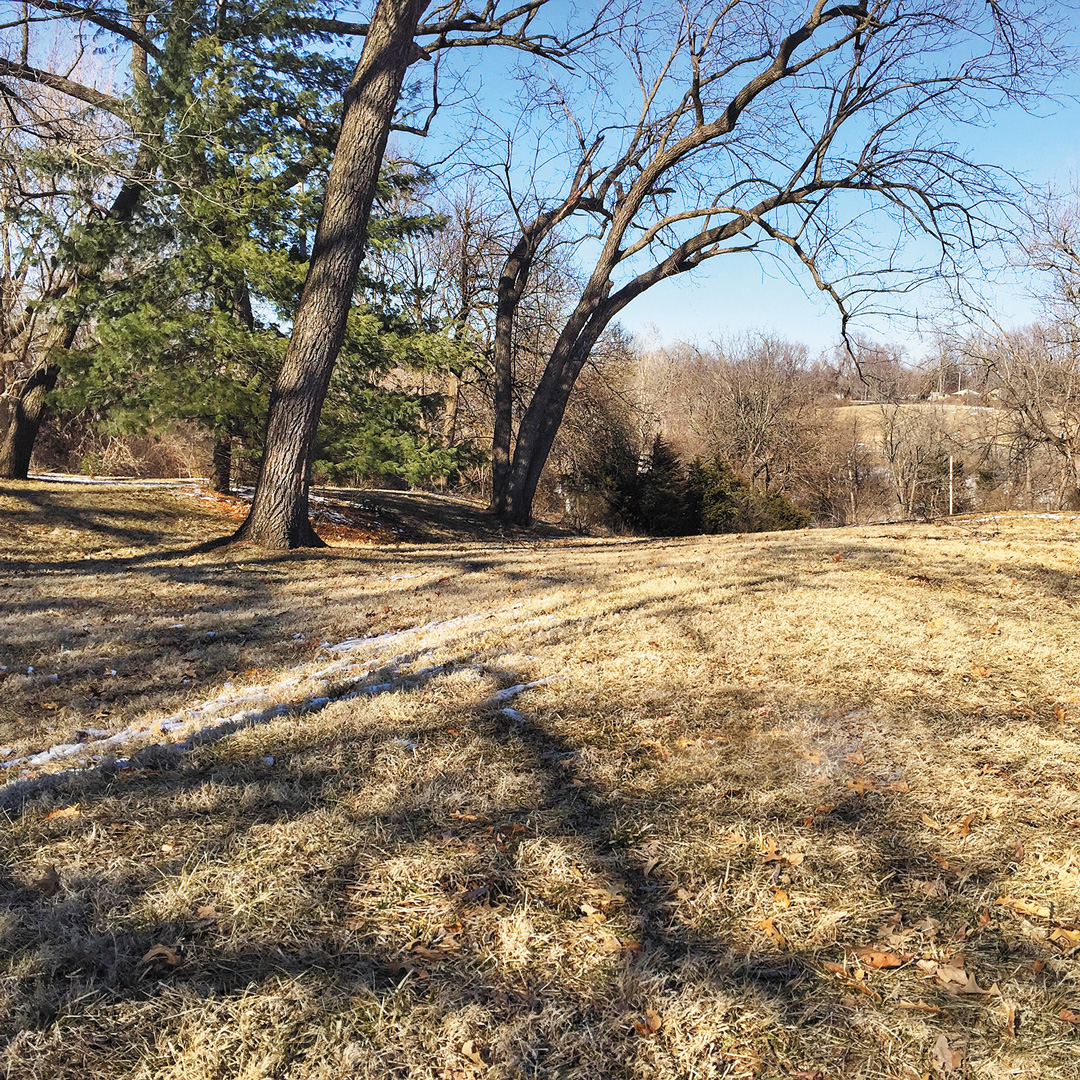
x=542, y=419
x=279, y=513
x=24, y=416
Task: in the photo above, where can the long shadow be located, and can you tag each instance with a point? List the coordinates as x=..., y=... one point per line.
x=88, y=941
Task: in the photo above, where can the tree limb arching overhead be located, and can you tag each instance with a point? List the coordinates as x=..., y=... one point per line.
x=809, y=132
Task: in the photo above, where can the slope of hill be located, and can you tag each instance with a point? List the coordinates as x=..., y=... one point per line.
x=798, y=804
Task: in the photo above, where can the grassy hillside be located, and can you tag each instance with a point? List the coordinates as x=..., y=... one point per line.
x=800, y=804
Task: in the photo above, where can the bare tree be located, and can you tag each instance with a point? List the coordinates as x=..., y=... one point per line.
x=1034, y=374
x=800, y=128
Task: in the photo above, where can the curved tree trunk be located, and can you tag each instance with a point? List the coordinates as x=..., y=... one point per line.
x=542, y=419
x=25, y=414
x=279, y=513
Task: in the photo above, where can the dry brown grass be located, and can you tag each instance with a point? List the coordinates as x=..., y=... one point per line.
x=756, y=756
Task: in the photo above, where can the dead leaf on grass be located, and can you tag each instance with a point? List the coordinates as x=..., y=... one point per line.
x=774, y=935
x=954, y=978
x=1066, y=938
x=932, y=890
x=962, y=826
x=1069, y=1016
x=475, y=1054
x=860, y=786
x=876, y=958
x=65, y=812
x=781, y=899
x=160, y=958
x=945, y=1058
x=1023, y=907
x=855, y=758
x=1008, y=1011
x=920, y=1006
x=930, y=822
x=650, y=1025
x=980, y=671
x=901, y=786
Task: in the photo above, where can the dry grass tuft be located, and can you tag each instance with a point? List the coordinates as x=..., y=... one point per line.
x=798, y=805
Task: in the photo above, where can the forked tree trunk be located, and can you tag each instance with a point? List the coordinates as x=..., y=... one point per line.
x=279, y=513
x=26, y=411
x=542, y=419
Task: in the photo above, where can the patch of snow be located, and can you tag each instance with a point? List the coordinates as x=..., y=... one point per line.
x=513, y=714
x=220, y=715
x=513, y=691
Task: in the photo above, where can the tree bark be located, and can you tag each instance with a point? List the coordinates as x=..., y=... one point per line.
x=279, y=512
x=221, y=463
x=542, y=419
x=27, y=410
x=25, y=414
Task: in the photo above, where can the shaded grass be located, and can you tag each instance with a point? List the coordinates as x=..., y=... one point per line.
x=755, y=757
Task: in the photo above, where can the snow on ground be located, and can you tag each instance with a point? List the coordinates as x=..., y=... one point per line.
x=306, y=688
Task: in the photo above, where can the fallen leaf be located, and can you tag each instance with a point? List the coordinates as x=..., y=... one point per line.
x=1008, y=1011
x=1023, y=907
x=650, y=1025
x=855, y=758
x=876, y=958
x=775, y=936
x=1067, y=939
x=994, y=628
x=945, y=1058
x=161, y=956
x=920, y=1006
x=943, y=863
x=815, y=757
x=984, y=917
x=781, y=899
x=899, y=786
x=474, y=1053
x=1069, y=1016
x=962, y=826
x=65, y=812
x=933, y=890
x=838, y=557
x=980, y=672
x=956, y=980
x=835, y=968
x=860, y=786
x=929, y=822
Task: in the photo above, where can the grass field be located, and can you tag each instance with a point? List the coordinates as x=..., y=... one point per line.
x=795, y=805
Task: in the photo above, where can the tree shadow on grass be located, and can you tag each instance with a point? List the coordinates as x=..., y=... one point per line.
x=433, y=887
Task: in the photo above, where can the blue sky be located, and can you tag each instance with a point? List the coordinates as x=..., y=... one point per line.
x=734, y=294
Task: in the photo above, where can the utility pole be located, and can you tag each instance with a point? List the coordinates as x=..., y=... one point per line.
x=950, y=485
